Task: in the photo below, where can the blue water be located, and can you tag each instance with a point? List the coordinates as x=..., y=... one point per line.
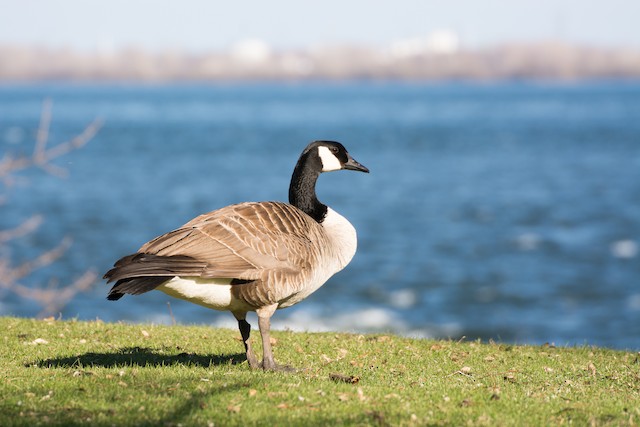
x=503, y=211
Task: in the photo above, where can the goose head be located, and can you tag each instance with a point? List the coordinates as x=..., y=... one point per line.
x=331, y=156
x=318, y=157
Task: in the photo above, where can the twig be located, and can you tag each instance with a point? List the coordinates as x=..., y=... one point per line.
x=173, y=319
x=43, y=156
x=349, y=379
x=28, y=226
x=41, y=260
x=55, y=297
x=39, y=150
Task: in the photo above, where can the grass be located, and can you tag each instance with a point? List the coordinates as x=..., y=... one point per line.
x=95, y=373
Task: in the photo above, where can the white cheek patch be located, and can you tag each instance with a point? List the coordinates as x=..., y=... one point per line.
x=329, y=161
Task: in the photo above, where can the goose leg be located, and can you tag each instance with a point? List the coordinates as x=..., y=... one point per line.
x=264, y=322
x=245, y=331
x=268, y=363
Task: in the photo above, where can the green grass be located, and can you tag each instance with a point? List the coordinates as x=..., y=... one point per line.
x=95, y=373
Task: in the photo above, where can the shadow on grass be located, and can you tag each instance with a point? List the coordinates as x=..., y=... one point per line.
x=139, y=356
x=175, y=414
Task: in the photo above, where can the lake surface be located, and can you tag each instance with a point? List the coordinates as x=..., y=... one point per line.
x=495, y=211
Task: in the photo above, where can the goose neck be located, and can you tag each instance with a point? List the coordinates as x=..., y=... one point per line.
x=302, y=191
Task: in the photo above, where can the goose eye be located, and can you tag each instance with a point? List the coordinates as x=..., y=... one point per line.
x=334, y=150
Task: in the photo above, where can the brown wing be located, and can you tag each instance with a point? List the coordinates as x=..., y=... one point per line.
x=244, y=241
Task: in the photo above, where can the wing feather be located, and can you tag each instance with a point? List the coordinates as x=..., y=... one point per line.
x=244, y=241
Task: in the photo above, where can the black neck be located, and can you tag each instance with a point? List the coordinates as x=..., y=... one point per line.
x=302, y=190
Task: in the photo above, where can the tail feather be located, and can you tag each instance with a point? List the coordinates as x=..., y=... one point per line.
x=141, y=265
x=135, y=286
x=139, y=273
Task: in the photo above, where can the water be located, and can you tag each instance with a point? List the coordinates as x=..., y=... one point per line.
x=500, y=211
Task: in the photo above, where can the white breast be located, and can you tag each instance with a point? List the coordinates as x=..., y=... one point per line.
x=342, y=248
x=342, y=234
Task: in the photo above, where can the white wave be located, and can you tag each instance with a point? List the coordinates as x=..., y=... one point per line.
x=634, y=302
x=528, y=241
x=364, y=320
x=403, y=298
x=624, y=249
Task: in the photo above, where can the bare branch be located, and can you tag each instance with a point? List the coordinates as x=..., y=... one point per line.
x=44, y=259
x=28, y=226
x=42, y=138
x=54, y=296
x=43, y=156
x=10, y=164
x=76, y=142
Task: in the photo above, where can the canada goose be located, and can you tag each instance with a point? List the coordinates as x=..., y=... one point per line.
x=259, y=256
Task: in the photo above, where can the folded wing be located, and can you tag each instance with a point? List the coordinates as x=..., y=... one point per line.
x=248, y=241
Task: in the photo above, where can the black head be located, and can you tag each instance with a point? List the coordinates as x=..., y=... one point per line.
x=330, y=156
x=317, y=157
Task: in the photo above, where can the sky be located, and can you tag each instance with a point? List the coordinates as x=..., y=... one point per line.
x=205, y=25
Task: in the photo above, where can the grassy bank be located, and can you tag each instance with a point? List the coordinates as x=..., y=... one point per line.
x=95, y=373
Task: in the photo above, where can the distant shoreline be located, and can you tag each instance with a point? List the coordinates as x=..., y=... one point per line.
x=320, y=82
x=553, y=61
